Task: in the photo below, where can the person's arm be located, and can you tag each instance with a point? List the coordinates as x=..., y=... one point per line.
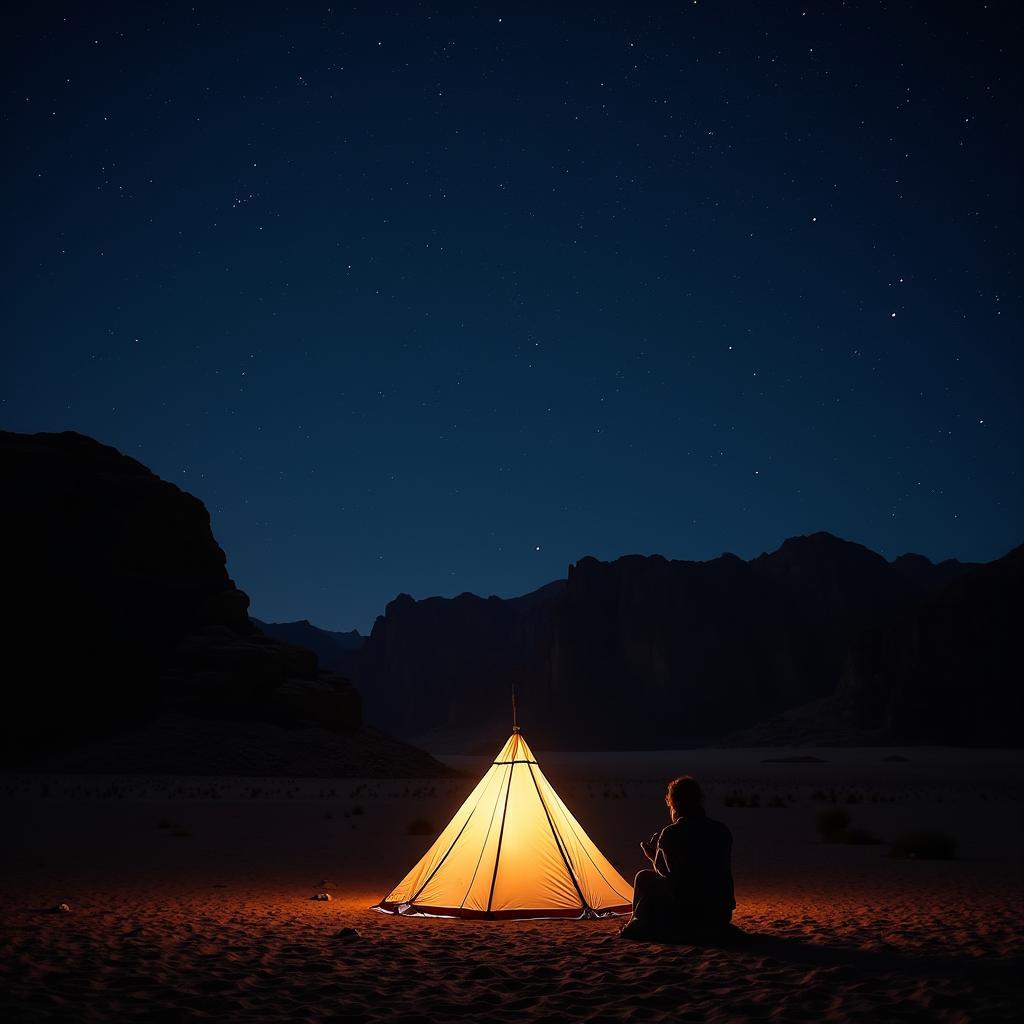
x=648, y=850
x=666, y=857
x=650, y=847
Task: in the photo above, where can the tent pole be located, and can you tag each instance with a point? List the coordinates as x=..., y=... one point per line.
x=515, y=717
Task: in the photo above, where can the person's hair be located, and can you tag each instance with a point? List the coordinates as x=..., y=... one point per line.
x=684, y=796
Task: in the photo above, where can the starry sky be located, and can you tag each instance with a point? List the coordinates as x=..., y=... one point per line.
x=425, y=302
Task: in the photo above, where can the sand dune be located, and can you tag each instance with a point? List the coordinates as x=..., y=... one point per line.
x=190, y=899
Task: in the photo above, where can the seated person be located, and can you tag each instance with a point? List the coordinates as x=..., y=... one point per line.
x=688, y=890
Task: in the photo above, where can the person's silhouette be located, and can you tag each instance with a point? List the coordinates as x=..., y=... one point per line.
x=688, y=889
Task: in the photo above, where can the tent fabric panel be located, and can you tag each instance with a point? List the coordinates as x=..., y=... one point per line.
x=523, y=751
x=473, y=892
x=459, y=838
x=532, y=873
x=508, y=751
x=459, y=880
x=602, y=885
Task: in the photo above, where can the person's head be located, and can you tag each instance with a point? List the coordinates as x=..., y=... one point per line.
x=684, y=797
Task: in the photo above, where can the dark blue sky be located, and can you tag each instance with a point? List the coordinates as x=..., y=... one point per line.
x=428, y=303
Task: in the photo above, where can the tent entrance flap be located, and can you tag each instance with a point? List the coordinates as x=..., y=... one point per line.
x=512, y=850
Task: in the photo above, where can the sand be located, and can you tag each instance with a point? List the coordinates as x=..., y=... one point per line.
x=190, y=899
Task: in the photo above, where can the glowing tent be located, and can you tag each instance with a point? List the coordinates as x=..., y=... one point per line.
x=513, y=850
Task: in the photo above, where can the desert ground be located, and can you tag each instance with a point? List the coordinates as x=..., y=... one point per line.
x=190, y=897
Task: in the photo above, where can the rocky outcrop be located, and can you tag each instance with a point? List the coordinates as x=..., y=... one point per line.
x=217, y=672
x=120, y=608
x=444, y=669
x=949, y=669
x=642, y=651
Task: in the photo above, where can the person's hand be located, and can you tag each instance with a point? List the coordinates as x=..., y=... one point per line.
x=647, y=845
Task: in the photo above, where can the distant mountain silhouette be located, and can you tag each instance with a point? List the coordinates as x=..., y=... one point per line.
x=949, y=669
x=643, y=651
x=122, y=620
x=120, y=613
x=927, y=575
x=332, y=648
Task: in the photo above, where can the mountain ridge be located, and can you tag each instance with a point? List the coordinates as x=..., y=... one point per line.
x=703, y=649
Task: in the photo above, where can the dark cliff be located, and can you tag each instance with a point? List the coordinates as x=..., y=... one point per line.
x=949, y=669
x=120, y=608
x=641, y=651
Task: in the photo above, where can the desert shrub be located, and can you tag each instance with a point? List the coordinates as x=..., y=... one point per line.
x=777, y=801
x=357, y=810
x=421, y=827
x=737, y=798
x=925, y=846
x=832, y=825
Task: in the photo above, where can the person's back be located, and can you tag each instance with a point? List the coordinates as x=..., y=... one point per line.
x=695, y=854
x=689, y=886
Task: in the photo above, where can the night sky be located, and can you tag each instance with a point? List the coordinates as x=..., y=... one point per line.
x=432, y=303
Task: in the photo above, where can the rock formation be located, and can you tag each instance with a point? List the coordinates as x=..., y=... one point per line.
x=949, y=669
x=120, y=608
x=122, y=619
x=641, y=651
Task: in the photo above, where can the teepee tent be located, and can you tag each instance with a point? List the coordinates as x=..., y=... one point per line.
x=513, y=850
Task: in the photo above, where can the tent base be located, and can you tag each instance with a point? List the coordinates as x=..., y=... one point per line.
x=574, y=913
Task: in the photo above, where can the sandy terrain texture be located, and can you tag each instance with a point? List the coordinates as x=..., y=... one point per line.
x=189, y=898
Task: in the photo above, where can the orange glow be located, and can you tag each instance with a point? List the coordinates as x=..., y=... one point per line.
x=513, y=849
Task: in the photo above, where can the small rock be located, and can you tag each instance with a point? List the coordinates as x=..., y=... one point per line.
x=348, y=933
x=324, y=897
x=62, y=908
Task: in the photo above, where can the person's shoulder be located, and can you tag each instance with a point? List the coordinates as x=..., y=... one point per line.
x=674, y=829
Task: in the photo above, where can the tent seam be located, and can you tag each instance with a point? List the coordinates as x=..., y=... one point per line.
x=430, y=877
x=579, y=842
x=483, y=846
x=558, y=842
x=501, y=832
